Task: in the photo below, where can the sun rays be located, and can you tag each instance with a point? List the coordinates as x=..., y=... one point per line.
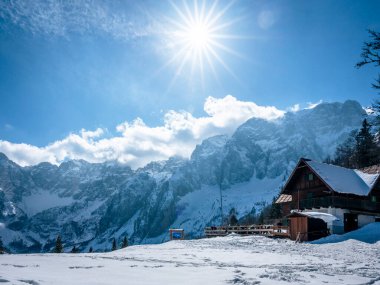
x=198, y=36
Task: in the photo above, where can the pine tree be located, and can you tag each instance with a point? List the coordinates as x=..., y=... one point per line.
x=74, y=249
x=345, y=152
x=359, y=150
x=90, y=250
x=328, y=160
x=365, y=148
x=249, y=218
x=125, y=242
x=1, y=246
x=275, y=210
x=261, y=218
x=232, y=219
x=58, y=245
x=114, y=247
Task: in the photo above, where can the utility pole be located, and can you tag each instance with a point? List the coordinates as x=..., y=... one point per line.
x=220, y=192
x=221, y=204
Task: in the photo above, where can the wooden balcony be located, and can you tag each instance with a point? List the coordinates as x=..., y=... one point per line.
x=263, y=230
x=338, y=202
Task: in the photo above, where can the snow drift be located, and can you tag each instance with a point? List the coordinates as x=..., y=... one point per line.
x=368, y=234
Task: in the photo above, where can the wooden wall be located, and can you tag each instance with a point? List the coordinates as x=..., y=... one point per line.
x=306, y=228
x=306, y=185
x=298, y=225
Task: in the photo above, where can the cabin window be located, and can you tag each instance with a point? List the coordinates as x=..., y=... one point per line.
x=373, y=199
x=310, y=176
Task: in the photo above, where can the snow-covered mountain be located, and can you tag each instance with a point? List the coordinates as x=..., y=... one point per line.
x=90, y=203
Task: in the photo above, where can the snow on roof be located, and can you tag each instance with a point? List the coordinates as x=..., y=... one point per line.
x=344, y=180
x=328, y=218
x=369, y=179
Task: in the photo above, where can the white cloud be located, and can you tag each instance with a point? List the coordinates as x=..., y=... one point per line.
x=92, y=134
x=60, y=18
x=137, y=144
x=294, y=108
x=25, y=154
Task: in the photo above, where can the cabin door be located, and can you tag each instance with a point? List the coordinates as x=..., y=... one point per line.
x=350, y=222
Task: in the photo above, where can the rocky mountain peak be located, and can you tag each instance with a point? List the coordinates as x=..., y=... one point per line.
x=88, y=203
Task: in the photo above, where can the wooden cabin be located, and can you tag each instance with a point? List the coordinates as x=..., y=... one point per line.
x=350, y=196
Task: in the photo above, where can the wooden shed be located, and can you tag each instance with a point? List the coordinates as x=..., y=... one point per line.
x=305, y=227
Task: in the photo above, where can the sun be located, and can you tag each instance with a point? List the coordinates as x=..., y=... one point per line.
x=198, y=36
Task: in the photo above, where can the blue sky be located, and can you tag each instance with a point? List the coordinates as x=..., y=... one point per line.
x=80, y=78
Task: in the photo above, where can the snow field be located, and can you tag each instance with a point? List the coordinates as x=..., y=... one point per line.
x=225, y=260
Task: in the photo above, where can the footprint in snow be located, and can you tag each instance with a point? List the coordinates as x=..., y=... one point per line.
x=32, y=282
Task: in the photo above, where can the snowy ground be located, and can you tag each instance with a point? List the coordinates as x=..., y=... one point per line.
x=227, y=260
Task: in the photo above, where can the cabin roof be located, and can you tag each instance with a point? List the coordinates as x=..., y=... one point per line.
x=344, y=180
x=339, y=179
x=283, y=198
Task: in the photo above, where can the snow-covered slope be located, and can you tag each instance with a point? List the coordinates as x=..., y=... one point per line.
x=227, y=260
x=89, y=204
x=369, y=234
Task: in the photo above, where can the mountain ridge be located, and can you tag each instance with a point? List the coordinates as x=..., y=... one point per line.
x=90, y=203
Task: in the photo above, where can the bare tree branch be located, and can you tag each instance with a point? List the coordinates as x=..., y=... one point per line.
x=371, y=54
